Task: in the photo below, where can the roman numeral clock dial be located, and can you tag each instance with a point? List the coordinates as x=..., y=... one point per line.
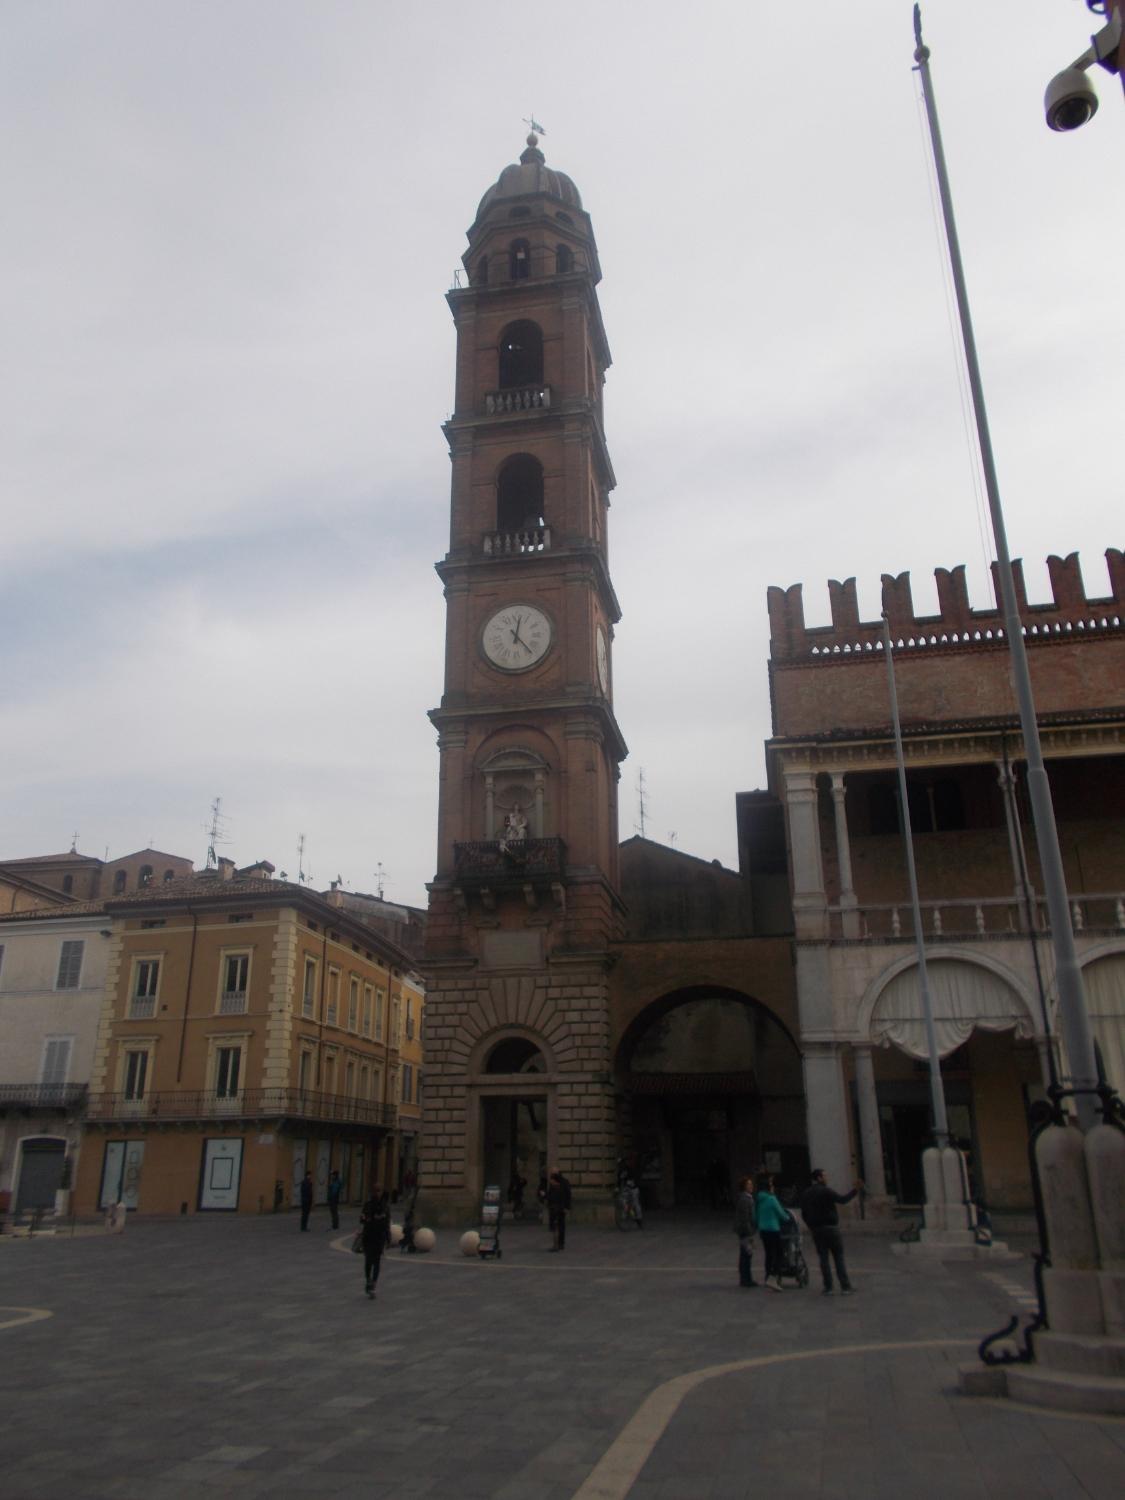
x=516, y=637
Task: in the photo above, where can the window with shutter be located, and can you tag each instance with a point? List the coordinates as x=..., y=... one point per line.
x=56, y=1060
x=70, y=964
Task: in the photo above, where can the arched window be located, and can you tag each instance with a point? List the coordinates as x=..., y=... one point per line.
x=564, y=258
x=519, y=260
x=519, y=494
x=169, y=875
x=521, y=355
x=145, y=877
x=521, y=212
x=68, y=884
x=480, y=277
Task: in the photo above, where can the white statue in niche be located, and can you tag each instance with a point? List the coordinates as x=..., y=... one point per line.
x=515, y=828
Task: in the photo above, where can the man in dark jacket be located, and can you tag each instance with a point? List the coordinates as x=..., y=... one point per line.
x=306, y=1199
x=745, y=1226
x=558, y=1201
x=818, y=1209
x=375, y=1225
x=335, y=1189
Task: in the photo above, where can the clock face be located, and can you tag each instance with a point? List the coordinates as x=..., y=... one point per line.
x=603, y=660
x=517, y=637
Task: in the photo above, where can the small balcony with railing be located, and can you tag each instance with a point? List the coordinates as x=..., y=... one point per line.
x=68, y=1098
x=188, y=1106
x=522, y=398
x=533, y=866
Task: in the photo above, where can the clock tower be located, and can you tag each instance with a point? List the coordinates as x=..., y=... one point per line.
x=524, y=905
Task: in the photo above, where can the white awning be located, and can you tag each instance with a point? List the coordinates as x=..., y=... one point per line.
x=963, y=996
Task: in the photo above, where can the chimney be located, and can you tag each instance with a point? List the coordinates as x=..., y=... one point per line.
x=226, y=868
x=335, y=896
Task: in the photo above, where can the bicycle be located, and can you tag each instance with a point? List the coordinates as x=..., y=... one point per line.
x=627, y=1208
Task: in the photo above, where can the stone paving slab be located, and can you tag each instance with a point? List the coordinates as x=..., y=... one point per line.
x=225, y=1356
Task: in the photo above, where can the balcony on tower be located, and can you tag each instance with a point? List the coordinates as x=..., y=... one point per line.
x=484, y=866
x=504, y=403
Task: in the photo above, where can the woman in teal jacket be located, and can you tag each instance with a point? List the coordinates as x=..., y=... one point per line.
x=771, y=1215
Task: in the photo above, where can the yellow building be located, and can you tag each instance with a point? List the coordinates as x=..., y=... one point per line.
x=250, y=1032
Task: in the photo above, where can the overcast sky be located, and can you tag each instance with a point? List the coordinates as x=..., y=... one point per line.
x=228, y=231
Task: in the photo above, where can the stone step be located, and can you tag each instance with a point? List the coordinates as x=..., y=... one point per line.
x=1063, y=1391
x=1081, y=1354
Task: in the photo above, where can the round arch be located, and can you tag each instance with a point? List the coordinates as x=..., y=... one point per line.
x=709, y=1087
x=969, y=990
x=1103, y=976
x=487, y=1045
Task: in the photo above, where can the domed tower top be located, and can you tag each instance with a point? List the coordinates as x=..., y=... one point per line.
x=530, y=222
x=530, y=175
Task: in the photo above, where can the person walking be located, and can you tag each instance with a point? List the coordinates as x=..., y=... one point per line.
x=375, y=1225
x=771, y=1214
x=335, y=1188
x=558, y=1201
x=306, y=1199
x=818, y=1209
x=745, y=1224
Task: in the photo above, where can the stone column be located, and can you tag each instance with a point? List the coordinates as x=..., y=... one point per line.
x=489, y=806
x=848, y=899
x=810, y=913
x=537, y=821
x=825, y=1101
x=870, y=1135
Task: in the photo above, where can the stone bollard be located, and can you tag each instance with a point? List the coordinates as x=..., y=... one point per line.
x=1105, y=1168
x=1071, y=1283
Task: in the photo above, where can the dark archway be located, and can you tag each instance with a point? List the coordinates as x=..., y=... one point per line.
x=521, y=355
x=709, y=1087
x=519, y=494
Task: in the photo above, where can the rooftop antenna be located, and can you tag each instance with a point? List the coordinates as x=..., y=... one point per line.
x=380, y=877
x=215, y=832
x=672, y=837
x=533, y=124
x=642, y=803
x=300, y=859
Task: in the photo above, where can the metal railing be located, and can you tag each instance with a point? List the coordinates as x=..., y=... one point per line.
x=41, y=1095
x=985, y=916
x=498, y=861
x=232, y=1003
x=252, y=1104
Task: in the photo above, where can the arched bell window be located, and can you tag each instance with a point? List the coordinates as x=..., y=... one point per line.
x=145, y=877
x=521, y=355
x=519, y=494
x=519, y=260
x=68, y=884
x=564, y=258
x=118, y=882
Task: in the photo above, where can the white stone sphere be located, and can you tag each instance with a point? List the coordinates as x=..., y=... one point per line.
x=396, y=1234
x=424, y=1239
x=470, y=1242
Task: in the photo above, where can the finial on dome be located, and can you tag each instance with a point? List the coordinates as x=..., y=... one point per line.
x=532, y=138
x=533, y=154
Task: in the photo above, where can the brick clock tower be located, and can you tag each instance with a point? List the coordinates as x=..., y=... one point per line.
x=524, y=905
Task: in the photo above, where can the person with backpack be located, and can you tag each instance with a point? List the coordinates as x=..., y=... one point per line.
x=745, y=1226
x=558, y=1202
x=375, y=1227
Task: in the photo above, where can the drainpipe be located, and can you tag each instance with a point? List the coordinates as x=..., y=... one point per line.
x=187, y=994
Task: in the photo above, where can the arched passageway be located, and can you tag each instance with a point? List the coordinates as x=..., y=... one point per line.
x=708, y=1088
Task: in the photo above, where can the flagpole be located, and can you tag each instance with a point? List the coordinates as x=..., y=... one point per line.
x=1073, y=1020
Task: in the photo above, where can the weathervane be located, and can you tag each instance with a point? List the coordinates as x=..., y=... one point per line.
x=533, y=124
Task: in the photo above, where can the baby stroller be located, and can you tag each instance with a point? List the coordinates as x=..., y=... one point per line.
x=794, y=1267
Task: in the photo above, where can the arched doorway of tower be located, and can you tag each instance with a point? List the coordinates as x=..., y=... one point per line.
x=513, y=1126
x=991, y=1065
x=709, y=1087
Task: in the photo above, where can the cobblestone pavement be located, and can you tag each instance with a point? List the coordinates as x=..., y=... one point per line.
x=237, y=1357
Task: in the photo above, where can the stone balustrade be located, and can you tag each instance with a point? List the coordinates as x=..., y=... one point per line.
x=525, y=398
x=982, y=917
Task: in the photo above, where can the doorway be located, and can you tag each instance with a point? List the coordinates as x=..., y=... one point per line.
x=514, y=1144
x=41, y=1169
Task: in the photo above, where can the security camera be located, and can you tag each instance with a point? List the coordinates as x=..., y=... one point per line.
x=1070, y=100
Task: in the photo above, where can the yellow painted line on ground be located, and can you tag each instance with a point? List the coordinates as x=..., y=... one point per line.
x=25, y=1315
x=616, y=1471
